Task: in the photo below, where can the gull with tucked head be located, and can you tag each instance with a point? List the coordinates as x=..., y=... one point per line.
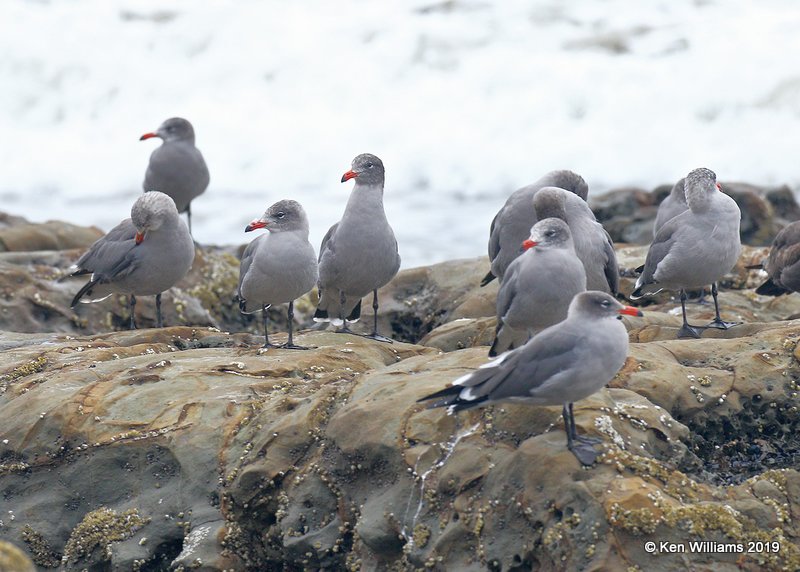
x=144, y=255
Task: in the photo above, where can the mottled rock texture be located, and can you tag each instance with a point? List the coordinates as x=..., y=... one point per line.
x=192, y=448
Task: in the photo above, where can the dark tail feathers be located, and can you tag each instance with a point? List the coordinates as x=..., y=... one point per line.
x=449, y=397
x=488, y=278
x=356, y=313
x=769, y=288
x=87, y=289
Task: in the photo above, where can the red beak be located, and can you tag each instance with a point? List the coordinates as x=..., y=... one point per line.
x=631, y=311
x=139, y=237
x=349, y=175
x=254, y=225
x=527, y=244
x=147, y=136
x=719, y=186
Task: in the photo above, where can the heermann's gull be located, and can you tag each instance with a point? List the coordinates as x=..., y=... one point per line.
x=673, y=204
x=279, y=266
x=359, y=253
x=694, y=248
x=562, y=364
x=538, y=285
x=142, y=256
x=593, y=245
x=783, y=264
x=514, y=220
x=176, y=167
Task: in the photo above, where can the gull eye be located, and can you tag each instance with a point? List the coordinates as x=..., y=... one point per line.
x=605, y=303
x=369, y=165
x=280, y=214
x=549, y=233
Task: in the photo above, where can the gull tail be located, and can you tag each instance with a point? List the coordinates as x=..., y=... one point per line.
x=769, y=288
x=488, y=278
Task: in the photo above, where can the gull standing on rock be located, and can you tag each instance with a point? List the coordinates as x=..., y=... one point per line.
x=279, y=266
x=562, y=364
x=176, y=167
x=359, y=253
x=514, y=220
x=142, y=256
x=783, y=264
x=539, y=285
x=694, y=248
x=593, y=245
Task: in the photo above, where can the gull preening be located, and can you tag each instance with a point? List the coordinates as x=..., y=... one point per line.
x=144, y=255
x=694, y=248
x=515, y=218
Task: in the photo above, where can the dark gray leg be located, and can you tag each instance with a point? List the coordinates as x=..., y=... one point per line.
x=718, y=322
x=343, y=329
x=265, y=320
x=582, y=447
x=132, y=306
x=159, y=320
x=289, y=345
x=189, y=216
x=686, y=330
x=374, y=335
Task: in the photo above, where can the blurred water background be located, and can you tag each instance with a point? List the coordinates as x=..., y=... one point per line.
x=464, y=100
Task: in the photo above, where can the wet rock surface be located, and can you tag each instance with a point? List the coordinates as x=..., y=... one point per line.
x=190, y=447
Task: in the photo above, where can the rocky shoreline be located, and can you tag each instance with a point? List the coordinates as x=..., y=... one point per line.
x=191, y=448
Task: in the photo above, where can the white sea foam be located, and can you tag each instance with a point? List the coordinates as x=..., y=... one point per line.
x=464, y=101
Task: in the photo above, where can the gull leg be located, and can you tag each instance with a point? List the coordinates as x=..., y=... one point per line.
x=289, y=345
x=718, y=322
x=132, y=306
x=581, y=447
x=265, y=321
x=344, y=329
x=375, y=335
x=159, y=320
x=686, y=330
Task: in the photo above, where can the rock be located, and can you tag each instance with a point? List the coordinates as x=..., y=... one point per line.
x=421, y=299
x=189, y=447
x=627, y=214
x=47, y=236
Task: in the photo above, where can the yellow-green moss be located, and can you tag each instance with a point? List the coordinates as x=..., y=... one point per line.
x=637, y=521
x=99, y=529
x=219, y=283
x=24, y=370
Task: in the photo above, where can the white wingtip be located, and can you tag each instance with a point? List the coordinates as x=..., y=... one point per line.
x=322, y=320
x=462, y=379
x=468, y=394
x=86, y=300
x=495, y=362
